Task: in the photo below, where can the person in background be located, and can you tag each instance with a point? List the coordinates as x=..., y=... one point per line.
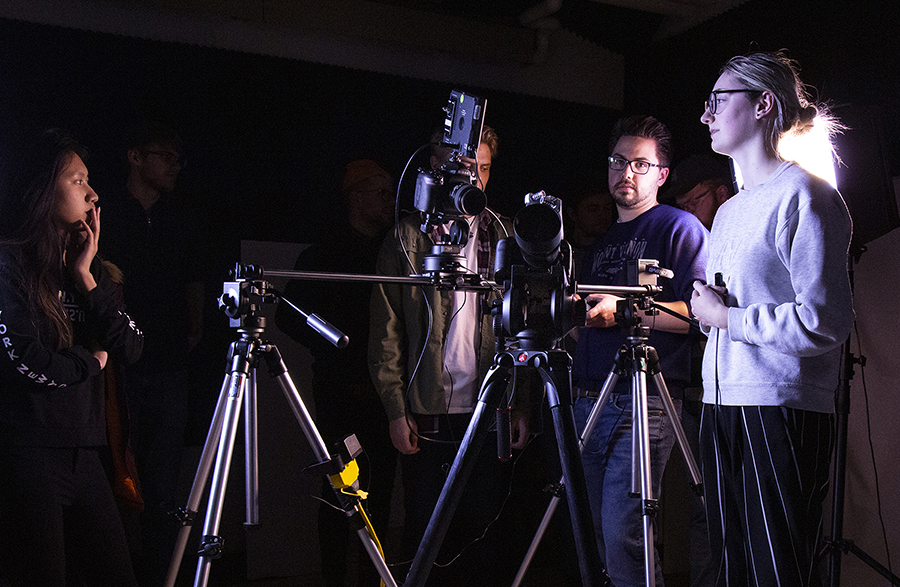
x=588, y=216
x=156, y=245
x=700, y=185
x=345, y=399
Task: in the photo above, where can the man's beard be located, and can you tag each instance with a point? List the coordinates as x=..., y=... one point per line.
x=628, y=200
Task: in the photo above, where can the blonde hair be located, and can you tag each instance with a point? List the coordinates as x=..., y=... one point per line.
x=778, y=74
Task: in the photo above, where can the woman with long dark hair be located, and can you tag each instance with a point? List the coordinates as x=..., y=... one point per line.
x=59, y=323
x=778, y=307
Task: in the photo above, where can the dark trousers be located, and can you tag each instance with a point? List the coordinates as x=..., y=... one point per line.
x=59, y=523
x=471, y=553
x=158, y=409
x=765, y=472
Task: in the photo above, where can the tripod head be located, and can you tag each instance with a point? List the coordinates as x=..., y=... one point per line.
x=628, y=315
x=240, y=301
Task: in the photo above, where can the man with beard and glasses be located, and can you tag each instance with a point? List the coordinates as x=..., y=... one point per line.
x=640, y=153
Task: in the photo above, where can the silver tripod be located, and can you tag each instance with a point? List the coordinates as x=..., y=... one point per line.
x=637, y=359
x=240, y=381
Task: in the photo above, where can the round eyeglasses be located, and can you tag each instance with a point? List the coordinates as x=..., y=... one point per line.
x=639, y=167
x=712, y=102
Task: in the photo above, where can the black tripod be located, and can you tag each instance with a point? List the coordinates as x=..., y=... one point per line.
x=638, y=360
x=838, y=545
x=554, y=368
x=244, y=355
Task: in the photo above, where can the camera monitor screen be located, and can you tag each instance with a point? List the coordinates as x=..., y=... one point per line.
x=462, y=127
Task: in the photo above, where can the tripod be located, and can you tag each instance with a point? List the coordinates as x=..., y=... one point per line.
x=554, y=368
x=244, y=355
x=637, y=359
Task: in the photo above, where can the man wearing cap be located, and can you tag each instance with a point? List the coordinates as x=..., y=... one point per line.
x=699, y=185
x=346, y=401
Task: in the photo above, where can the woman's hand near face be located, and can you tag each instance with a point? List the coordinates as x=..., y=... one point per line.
x=81, y=249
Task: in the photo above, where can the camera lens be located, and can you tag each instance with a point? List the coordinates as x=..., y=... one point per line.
x=468, y=199
x=538, y=231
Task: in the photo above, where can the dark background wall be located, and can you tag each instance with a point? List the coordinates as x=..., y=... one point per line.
x=267, y=138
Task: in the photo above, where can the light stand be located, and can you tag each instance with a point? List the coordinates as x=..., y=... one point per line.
x=837, y=546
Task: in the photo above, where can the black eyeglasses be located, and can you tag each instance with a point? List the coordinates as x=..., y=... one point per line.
x=691, y=205
x=170, y=158
x=712, y=102
x=639, y=167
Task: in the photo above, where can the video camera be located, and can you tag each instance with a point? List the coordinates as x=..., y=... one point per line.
x=450, y=192
x=539, y=305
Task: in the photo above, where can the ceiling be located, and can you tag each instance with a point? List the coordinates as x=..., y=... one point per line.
x=570, y=50
x=618, y=25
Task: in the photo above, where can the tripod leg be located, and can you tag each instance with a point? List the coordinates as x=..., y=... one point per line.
x=207, y=457
x=842, y=412
x=680, y=436
x=640, y=429
x=278, y=370
x=211, y=544
x=605, y=392
x=559, y=377
x=377, y=559
x=608, y=386
x=838, y=491
x=492, y=390
x=251, y=456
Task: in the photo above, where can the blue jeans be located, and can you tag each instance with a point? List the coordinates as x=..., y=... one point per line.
x=618, y=521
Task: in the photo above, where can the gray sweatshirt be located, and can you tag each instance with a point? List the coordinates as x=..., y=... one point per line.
x=781, y=248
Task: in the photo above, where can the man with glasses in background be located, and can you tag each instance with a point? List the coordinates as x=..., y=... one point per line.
x=640, y=153
x=699, y=185
x=149, y=235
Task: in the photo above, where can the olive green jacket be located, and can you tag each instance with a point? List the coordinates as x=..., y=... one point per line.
x=400, y=316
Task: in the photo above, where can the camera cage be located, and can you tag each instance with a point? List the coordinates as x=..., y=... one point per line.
x=450, y=193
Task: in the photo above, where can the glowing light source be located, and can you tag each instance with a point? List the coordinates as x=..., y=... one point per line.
x=812, y=151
